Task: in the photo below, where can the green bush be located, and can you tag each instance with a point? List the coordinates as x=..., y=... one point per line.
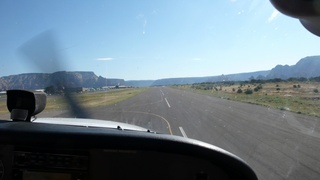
x=248, y=91
x=316, y=90
x=239, y=91
x=256, y=89
x=50, y=90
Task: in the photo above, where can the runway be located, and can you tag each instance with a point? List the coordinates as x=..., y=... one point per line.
x=276, y=144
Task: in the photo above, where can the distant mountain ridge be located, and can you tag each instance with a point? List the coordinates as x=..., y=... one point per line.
x=307, y=67
x=139, y=83
x=32, y=81
x=228, y=77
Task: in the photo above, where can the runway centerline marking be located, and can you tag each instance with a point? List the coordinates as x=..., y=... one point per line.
x=182, y=132
x=162, y=92
x=167, y=102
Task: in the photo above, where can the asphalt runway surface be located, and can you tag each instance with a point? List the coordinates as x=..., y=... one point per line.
x=276, y=144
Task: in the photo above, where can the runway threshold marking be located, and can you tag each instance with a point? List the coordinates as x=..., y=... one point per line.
x=167, y=102
x=182, y=132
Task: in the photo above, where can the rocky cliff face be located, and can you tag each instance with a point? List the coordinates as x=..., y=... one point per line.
x=306, y=67
x=33, y=81
x=24, y=81
x=101, y=81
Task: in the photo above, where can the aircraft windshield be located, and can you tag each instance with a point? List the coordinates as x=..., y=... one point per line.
x=236, y=74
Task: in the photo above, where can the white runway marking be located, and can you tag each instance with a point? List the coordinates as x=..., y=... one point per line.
x=182, y=132
x=162, y=92
x=167, y=102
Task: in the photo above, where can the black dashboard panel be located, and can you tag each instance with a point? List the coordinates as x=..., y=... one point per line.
x=150, y=165
x=46, y=151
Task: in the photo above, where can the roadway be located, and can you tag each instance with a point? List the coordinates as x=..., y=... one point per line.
x=276, y=144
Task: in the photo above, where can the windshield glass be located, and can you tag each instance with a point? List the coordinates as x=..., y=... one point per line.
x=235, y=74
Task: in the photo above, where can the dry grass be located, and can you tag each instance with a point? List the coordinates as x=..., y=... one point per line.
x=87, y=99
x=300, y=100
x=107, y=98
x=3, y=104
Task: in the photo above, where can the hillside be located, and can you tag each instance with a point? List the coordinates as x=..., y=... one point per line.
x=239, y=76
x=306, y=67
x=33, y=81
x=139, y=83
x=172, y=81
x=228, y=77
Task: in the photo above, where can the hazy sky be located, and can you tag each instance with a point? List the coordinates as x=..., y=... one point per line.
x=152, y=39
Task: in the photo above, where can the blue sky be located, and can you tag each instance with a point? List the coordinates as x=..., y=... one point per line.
x=137, y=40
